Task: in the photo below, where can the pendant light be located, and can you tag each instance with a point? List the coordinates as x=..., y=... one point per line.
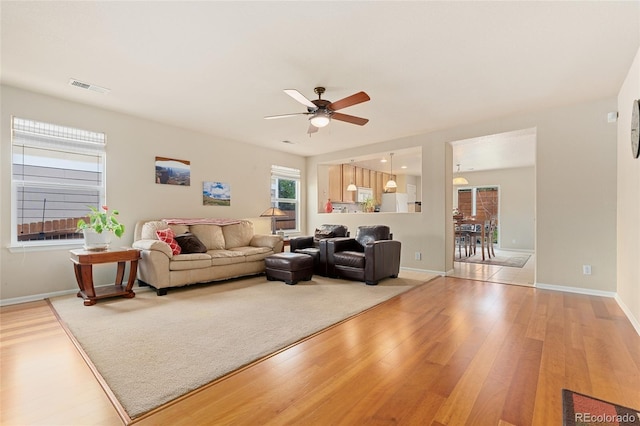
x=352, y=187
x=391, y=183
x=460, y=180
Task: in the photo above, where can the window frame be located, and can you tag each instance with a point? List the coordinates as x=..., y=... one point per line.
x=61, y=140
x=286, y=173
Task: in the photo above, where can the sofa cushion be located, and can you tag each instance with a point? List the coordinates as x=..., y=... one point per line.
x=352, y=259
x=189, y=243
x=226, y=257
x=253, y=253
x=210, y=235
x=238, y=235
x=167, y=236
x=184, y=262
x=179, y=229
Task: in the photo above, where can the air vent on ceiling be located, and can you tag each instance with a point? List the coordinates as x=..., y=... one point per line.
x=87, y=86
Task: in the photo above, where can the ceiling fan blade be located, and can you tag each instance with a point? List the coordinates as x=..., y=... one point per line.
x=312, y=129
x=349, y=118
x=271, y=117
x=354, y=99
x=300, y=98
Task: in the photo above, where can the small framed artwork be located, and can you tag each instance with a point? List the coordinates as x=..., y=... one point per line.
x=216, y=194
x=170, y=171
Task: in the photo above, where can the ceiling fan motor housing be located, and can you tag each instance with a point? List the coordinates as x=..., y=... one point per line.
x=321, y=104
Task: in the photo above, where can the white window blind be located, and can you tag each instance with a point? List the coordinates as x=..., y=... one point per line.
x=57, y=172
x=285, y=194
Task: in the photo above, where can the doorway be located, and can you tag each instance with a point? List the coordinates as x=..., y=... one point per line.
x=480, y=203
x=498, y=181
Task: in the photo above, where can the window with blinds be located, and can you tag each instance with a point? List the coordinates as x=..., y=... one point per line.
x=57, y=172
x=478, y=202
x=285, y=195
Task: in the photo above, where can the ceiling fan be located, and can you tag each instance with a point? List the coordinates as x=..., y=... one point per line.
x=322, y=110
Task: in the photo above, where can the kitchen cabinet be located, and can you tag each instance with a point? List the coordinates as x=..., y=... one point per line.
x=348, y=176
x=366, y=178
x=359, y=172
x=335, y=183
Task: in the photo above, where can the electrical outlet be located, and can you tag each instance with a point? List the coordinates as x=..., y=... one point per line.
x=586, y=269
x=418, y=255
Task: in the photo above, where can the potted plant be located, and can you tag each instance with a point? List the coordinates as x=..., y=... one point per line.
x=97, y=232
x=368, y=205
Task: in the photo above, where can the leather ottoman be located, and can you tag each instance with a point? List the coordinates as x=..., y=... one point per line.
x=289, y=267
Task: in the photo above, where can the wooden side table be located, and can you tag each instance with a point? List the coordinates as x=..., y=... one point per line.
x=83, y=261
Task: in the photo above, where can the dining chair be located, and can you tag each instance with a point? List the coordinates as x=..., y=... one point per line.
x=487, y=238
x=462, y=239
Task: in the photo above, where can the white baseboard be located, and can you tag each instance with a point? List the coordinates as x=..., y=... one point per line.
x=578, y=290
x=426, y=271
x=634, y=322
x=35, y=297
x=42, y=296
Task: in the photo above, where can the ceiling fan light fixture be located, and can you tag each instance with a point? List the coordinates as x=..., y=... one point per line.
x=320, y=119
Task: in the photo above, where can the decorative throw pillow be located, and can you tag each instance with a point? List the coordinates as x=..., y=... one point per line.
x=167, y=236
x=189, y=243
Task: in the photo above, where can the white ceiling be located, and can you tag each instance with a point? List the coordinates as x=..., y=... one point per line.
x=220, y=67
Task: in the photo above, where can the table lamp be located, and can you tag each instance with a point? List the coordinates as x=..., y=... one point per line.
x=272, y=212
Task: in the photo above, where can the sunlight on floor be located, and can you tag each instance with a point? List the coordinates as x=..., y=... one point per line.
x=498, y=274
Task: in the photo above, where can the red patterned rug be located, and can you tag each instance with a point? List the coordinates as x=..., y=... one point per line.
x=583, y=410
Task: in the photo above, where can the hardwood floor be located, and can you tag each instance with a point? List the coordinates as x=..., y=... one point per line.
x=451, y=352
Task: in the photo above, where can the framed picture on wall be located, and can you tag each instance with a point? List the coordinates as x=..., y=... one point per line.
x=216, y=194
x=170, y=171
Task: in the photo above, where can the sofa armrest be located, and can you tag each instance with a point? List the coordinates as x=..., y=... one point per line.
x=155, y=245
x=153, y=266
x=300, y=243
x=275, y=242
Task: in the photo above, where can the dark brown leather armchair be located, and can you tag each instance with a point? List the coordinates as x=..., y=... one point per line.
x=370, y=257
x=315, y=245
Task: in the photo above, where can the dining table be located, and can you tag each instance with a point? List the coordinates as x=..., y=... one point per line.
x=471, y=228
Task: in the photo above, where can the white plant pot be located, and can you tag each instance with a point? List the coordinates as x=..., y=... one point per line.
x=94, y=241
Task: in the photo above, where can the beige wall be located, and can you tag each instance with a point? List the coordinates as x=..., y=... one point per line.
x=628, y=212
x=517, y=188
x=575, y=159
x=132, y=144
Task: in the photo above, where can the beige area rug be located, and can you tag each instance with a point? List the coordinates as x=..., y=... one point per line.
x=151, y=350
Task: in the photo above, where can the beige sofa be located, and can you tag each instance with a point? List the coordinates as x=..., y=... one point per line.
x=232, y=250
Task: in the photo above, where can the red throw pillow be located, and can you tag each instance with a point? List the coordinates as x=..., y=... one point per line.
x=168, y=237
